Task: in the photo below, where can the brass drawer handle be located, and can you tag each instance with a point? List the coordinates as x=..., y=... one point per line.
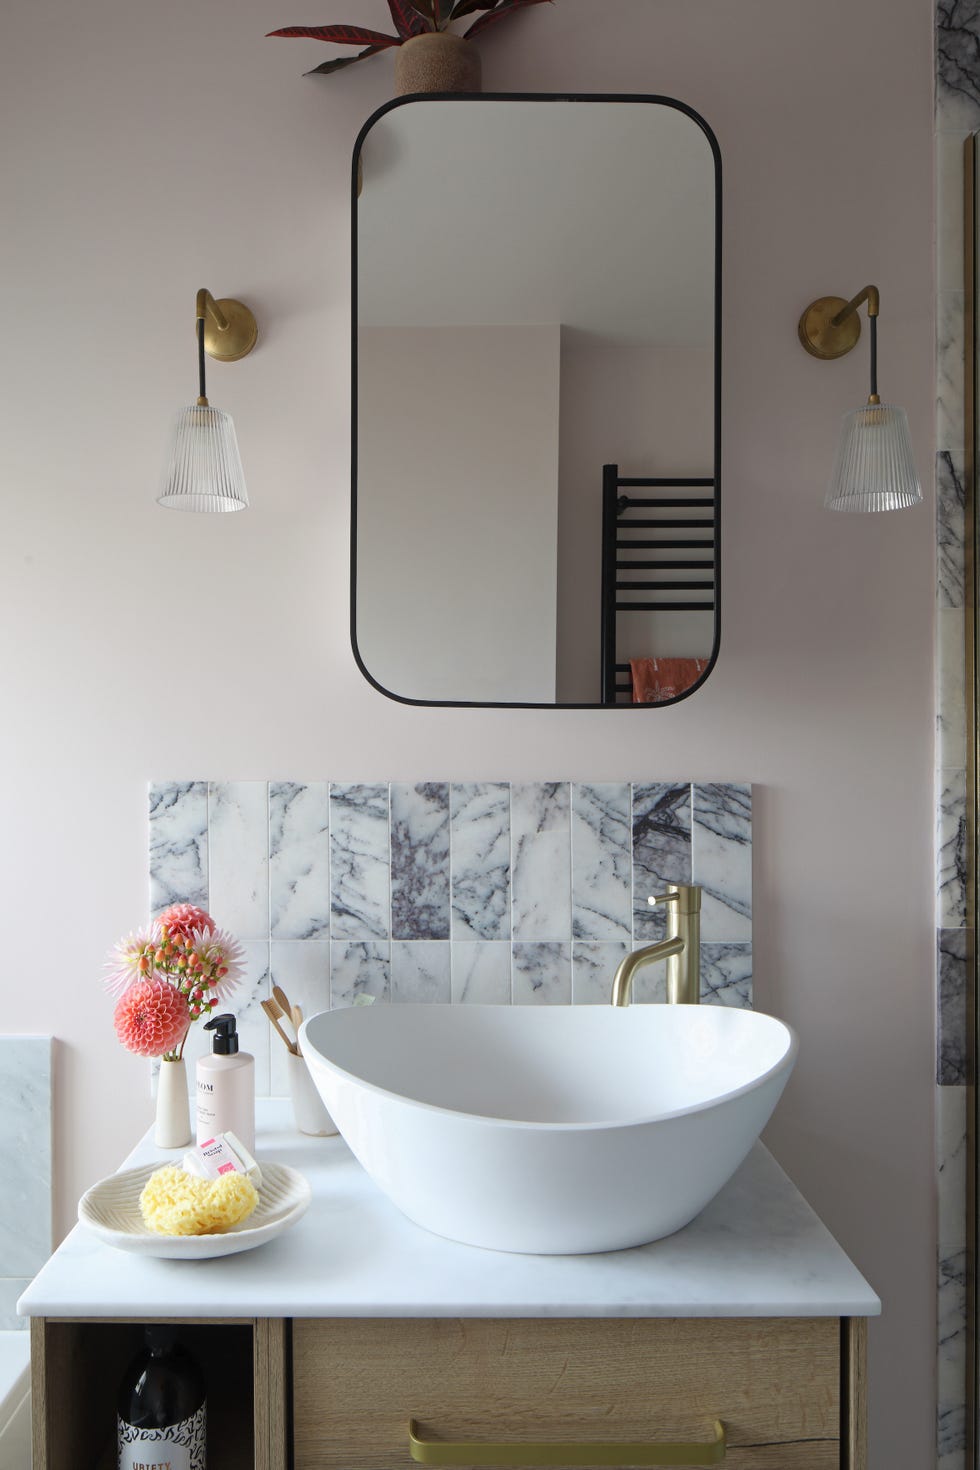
x=442, y=1452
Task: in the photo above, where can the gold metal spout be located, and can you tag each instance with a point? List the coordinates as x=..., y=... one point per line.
x=681, y=949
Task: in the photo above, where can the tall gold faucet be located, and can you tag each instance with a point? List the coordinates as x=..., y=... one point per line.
x=681, y=949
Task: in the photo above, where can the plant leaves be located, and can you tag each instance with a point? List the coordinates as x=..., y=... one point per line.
x=424, y=7
x=342, y=35
x=341, y=61
x=506, y=7
x=407, y=18
x=441, y=11
x=467, y=7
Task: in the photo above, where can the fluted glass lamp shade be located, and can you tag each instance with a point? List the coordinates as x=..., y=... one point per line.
x=874, y=468
x=203, y=470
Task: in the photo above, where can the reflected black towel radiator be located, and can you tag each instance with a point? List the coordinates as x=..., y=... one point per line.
x=624, y=513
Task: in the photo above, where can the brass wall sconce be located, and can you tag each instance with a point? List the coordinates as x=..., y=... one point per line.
x=203, y=471
x=874, y=469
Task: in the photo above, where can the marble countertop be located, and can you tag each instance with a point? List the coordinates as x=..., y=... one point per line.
x=758, y=1250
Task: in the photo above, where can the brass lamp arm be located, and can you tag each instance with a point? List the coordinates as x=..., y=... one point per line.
x=869, y=294
x=830, y=327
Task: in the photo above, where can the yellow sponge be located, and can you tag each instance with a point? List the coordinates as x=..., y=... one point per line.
x=176, y=1203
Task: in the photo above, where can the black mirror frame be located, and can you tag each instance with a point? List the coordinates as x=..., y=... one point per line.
x=586, y=97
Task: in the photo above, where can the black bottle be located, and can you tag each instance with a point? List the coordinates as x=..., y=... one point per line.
x=162, y=1421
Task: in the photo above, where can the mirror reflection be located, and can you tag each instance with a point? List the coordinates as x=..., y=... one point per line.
x=536, y=333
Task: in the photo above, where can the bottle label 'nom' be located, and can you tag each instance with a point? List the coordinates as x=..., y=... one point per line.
x=178, y=1447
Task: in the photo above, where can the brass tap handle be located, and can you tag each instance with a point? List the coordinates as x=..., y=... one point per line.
x=662, y=898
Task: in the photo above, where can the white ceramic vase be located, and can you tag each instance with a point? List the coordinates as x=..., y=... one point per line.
x=309, y=1109
x=173, y=1125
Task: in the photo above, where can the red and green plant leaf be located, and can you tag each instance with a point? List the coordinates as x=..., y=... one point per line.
x=441, y=11
x=467, y=7
x=407, y=18
x=424, y=7
x=340, y=62
x=506, y=7
x=341, y=35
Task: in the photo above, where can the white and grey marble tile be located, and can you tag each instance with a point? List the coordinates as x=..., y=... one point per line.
x=360, y=886
x=952, y=1066
x=951, y=716
x=957, y=65
x=594, y=966
x=951, y=1153
x=253, y=1025
x=420, y=861
x=951, y=371
x=238, y=845
x=661, y=849
x=726, y=975
x=420, y=971
x=12, y=1288
x=481, y=972
x=721, y=859
x=359, y=967
x=542, y=973
x=952, y=1353
x=299, y=860
x=178, y=843
x=25, y=1151
x=950, y=529
x=951, y=849
x=480, y=860
x=601, y=861
x=302, y=968
x=541, y=861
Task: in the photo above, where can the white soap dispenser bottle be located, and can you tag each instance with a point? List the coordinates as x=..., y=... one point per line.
x=226, y=1086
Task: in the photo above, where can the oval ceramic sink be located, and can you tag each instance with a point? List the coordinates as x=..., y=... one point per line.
x=549, y=1129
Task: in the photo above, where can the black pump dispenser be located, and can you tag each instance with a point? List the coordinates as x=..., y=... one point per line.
x=224, y=1043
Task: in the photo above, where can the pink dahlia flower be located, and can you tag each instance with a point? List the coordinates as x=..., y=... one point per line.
x=151, y=1018
x=130, y=960
x=184, y=919
x=215, y=964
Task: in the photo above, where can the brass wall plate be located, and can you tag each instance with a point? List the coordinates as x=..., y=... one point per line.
x=818, y=334
x=237, y=339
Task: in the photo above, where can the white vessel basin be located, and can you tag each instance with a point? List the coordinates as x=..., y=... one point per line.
x=549, y=1129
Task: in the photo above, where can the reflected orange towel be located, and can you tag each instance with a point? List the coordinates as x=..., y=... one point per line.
x=657, y=679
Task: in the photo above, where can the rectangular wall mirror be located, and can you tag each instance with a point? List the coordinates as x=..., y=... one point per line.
x=536, y=427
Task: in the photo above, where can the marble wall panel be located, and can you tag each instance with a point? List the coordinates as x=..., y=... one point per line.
x=25, y=1151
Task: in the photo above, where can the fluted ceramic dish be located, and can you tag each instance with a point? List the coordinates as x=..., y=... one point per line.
x=111, y=1209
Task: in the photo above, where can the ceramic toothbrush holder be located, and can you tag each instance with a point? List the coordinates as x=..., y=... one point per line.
x=308, y=1109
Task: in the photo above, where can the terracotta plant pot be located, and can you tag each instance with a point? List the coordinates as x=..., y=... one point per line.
x=437, y=62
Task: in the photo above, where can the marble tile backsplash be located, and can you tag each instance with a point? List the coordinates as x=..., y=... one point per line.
x=476, y=891
x=25, y=1149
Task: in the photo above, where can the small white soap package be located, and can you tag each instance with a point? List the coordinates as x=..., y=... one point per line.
x=308, y=1108
x=223, y=1154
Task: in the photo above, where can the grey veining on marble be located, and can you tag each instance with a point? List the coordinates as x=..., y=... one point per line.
x=480, y=842
x=420, y=861
x=178, y=843
x=299, y=860
x=726, y=975
x=951, y=1038
x=721, y=859
x=951, y=1153
x=594, y=965
x=25, y=1151
x=360, y=896
x=238, y=841
x=951, y=849
x=952, y=1352
x=601, y=860
x=359, y=967
x=661, y=849
x=541, y=860
x=420, y=971
x=950, y=529
x=542, y=973
x=481, y=972
x=957, y=64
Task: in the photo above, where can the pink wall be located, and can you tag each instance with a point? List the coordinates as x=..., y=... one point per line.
x=152, y=150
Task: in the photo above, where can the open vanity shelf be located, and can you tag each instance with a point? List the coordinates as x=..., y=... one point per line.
x=321, y=1346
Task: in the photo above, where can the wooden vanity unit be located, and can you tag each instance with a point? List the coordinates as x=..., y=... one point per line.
x=738, y=1341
